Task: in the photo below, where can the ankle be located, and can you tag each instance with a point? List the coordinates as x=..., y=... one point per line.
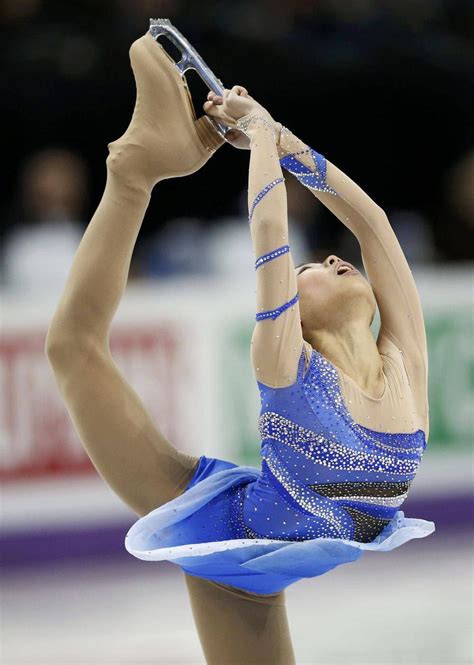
x=125, y=167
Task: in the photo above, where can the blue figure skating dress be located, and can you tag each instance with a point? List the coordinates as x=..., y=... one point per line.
x=328, y=489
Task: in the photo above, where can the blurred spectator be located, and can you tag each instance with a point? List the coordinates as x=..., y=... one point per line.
x=454, y=216
x=460, y=189
x=178, y=249
x=39, y=249
x=414, y=234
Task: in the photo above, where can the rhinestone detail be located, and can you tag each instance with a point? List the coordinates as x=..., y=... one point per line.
x=271, y=255
x=274, y=313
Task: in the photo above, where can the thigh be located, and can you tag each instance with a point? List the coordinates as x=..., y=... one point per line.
x=236, y=627
x=127, y=449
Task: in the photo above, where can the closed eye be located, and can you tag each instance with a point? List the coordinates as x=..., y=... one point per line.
x=303, y=269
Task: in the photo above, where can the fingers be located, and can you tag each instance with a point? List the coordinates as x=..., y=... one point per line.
x=215, y=99
x=212, y=106
x=219, y=99
x=240, y=90
x=215, y=105
x=236, y=90
x=214, y=110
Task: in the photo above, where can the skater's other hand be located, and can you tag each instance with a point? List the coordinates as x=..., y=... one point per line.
x=233, y=136
x=231, y=106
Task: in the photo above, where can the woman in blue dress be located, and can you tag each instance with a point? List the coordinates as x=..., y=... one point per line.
x=344, y=417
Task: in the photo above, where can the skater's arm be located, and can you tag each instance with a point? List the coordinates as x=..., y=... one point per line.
x=277, y=340
x=383, y=259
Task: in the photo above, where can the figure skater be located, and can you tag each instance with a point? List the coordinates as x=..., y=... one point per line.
x=344, y=418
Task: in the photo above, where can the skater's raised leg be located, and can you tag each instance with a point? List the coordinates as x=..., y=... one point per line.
x=163, y=140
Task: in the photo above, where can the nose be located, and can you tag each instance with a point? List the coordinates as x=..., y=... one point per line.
x=331, y=260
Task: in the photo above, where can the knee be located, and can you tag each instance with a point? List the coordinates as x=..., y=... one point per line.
x=65, y=348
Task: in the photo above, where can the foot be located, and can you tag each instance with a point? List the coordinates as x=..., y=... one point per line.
x=164, y=139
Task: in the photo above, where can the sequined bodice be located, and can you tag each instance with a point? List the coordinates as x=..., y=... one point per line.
x=334, y=477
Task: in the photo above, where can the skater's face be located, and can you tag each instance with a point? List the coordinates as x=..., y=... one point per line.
x=332, y=293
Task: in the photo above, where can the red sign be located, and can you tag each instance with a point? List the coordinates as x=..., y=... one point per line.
x=37, y=435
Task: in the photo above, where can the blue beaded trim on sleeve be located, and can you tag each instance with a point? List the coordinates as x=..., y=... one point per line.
x=261, y=194
x=271, y=255
x=274, y=313
x=313, y=179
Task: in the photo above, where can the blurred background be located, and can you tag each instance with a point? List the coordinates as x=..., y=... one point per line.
x=382, y=88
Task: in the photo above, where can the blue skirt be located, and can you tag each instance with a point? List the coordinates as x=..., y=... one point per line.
x=197, y=531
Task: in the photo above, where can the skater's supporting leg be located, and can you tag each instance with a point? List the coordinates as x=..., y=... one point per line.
x=240, y=628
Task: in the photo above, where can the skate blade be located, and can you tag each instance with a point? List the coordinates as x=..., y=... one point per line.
x=190, y=59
